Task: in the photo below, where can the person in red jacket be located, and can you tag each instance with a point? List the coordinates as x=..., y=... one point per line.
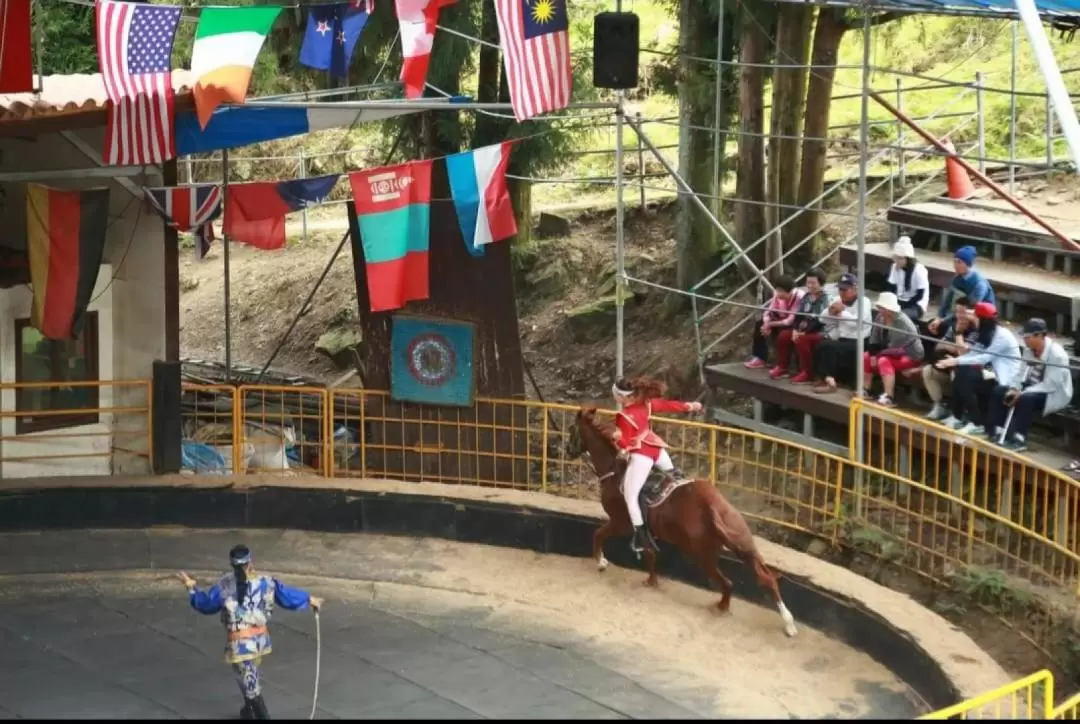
x=638, y=400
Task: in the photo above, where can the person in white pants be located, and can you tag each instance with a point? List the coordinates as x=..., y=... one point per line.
x=642, y=447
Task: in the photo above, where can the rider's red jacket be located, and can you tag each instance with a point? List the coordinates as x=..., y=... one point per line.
x=632, y=421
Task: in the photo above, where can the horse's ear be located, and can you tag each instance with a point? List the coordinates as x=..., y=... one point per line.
x=587, y=411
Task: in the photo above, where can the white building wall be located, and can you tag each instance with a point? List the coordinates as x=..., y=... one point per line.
x=130, y=300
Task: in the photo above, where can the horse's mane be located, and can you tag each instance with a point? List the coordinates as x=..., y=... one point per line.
x=604, y=427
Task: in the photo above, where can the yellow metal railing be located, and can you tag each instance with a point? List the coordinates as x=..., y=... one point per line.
x=1029, y=698
x=89, y=428
x=1068, y=709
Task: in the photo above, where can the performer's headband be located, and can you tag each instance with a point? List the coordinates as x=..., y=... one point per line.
x=615, y=389
x=240, y=557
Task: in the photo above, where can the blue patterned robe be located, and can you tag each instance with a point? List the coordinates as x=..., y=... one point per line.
x=255, y=610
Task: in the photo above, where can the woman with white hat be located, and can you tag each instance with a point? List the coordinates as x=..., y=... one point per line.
x=895, y=346
x=909, y=280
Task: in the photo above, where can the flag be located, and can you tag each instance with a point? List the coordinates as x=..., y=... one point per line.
x=189, y=209
x=135, y=44
x=393, y=210
x=535, y=42
x=417, y=20
x=481, y=198
x=255, y=212
x=16, y=64
x=331, y=35
x=227, y=43
x=65, y=240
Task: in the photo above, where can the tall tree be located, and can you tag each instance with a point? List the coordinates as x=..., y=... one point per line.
x=750, y=177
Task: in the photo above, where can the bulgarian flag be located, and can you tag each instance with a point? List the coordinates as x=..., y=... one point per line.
x=393, y=210
x=65, y=239
x=227, y=42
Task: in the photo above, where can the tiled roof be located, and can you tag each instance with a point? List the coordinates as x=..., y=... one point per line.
x=69, y=95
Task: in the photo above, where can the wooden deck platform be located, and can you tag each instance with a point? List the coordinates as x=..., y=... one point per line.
x=990, y=218
x=835, y=406
x=1014, y=284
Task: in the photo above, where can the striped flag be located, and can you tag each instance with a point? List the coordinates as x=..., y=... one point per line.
x=135, y=43
x=535, y=42
x=187, y=209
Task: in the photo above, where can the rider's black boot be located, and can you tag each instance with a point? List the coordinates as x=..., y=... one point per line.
x=676, y=474
x=638, y=542
x=258, y=706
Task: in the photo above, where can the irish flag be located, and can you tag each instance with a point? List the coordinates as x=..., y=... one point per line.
x=393, y=210
x=227, y=42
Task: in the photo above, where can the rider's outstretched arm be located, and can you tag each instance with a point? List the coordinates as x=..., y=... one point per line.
x=674, y=406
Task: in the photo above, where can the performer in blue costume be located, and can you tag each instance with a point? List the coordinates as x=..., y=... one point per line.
x=246, y=601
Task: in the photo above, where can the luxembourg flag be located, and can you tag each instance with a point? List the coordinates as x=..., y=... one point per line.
x=481, y=198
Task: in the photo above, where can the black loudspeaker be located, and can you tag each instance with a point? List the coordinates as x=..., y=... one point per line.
x=615, y=50
x=167, y=429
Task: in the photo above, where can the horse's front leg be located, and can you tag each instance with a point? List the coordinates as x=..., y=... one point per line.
x=650, y=567
x=599, y=537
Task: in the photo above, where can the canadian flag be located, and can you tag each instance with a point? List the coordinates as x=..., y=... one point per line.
x=417, y=19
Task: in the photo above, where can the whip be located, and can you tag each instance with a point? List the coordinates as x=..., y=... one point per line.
x=318, y=664
x=1008, y=421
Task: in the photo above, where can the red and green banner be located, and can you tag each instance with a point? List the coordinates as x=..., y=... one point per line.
x=65, y=240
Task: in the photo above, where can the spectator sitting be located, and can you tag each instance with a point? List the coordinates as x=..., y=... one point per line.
x=969, y=286
x=959, y=337
x=1042, y=386
x=778, y=318
x=897, y=338
x=847, y=318
x=996, y=346
x=808, y=325
x=909, y=280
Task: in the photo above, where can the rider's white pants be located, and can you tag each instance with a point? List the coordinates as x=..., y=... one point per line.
x=637, y=472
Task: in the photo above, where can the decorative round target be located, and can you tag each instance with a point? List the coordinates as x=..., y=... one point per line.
x=430, y=359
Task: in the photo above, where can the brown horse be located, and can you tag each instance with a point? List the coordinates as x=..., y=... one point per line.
x=695, y=518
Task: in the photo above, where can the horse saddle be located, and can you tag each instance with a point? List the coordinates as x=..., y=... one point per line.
x=659, y=486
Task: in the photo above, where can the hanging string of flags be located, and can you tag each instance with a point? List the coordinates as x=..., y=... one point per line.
x=393, y=211
x=135, y=44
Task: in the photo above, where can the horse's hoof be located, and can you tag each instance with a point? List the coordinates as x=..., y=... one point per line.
x=651, y=583
x=790, y=630
x=723, y=607
x=602, y=564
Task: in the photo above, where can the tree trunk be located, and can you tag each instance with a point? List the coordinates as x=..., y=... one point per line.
x=695, y=237
x=789, y=96
x=750, y=177
x=830, y=30
x=487, y=76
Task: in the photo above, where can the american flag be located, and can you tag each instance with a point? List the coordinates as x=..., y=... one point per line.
x=189, y=208
x=536, y=46
x=135, y=44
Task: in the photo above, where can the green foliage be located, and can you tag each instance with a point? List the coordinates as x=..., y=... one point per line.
x=992, y=589
x=67, y=37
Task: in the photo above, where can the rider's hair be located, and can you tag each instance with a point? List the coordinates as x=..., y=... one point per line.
x=647, y=388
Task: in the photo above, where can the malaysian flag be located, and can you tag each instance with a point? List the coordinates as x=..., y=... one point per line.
x=535, y=42
x=189, y=208
x=135, y=44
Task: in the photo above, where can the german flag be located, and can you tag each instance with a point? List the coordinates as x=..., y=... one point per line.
x=65, y=234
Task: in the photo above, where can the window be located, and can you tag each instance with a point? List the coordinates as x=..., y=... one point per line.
x=38, y=359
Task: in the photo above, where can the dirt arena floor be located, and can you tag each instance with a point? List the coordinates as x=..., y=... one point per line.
x=411, y=628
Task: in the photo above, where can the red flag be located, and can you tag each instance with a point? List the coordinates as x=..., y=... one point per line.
x=417, y=20
x=16, y=66
x=255, y=212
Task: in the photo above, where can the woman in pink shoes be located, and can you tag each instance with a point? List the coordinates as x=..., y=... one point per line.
x=776, y=325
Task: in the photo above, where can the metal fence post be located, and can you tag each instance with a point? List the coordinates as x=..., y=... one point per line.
x=303, y=174
x=187, y=165
x=544, y=448
x=641, y=164
x=980, y=120
x=900, y=131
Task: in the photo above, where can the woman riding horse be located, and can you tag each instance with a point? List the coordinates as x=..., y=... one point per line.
x=638, y=399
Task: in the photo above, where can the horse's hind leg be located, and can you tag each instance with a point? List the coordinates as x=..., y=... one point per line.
x=599, y=537
x=767, y=580
x=650, y=566
x=708, y=564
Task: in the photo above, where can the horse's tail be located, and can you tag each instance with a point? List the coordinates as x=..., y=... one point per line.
x=737, y=538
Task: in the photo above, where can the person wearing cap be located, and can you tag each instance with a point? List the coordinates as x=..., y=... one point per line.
x=894, y=346
x=995, y=347
x=1042, y=386
x=808, y=329
x=960, y=336
x=846, y=318
x=245, y=599
x=968, y=285
x=909, y=280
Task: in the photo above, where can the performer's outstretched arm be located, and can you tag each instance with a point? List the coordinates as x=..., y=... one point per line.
x=661, y=405
x=207, y=602
x=291, y=599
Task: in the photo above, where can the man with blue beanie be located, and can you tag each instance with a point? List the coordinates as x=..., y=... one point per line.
x=968, y=285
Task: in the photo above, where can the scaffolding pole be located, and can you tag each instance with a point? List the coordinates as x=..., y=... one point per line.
x=749, y=266
x=225, y=257
x=860, y=272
